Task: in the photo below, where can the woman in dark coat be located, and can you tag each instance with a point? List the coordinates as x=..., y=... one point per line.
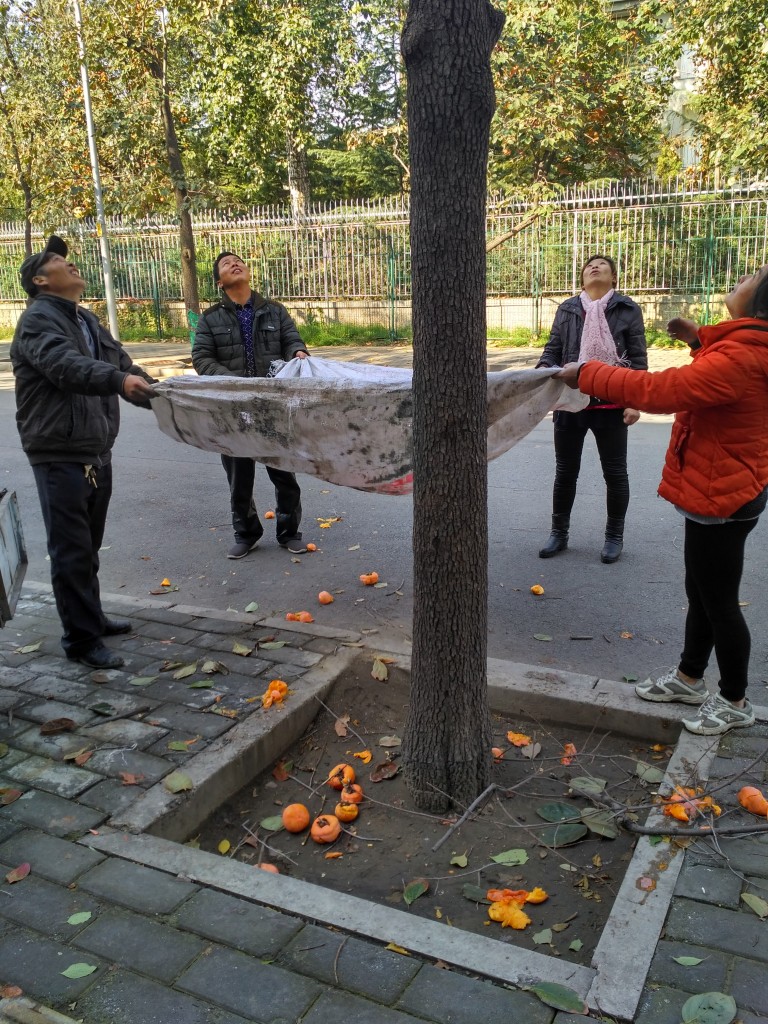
x=603, y=324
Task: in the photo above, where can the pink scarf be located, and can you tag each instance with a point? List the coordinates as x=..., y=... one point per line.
x=596, y=338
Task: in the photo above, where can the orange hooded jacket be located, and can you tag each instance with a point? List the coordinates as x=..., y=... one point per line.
x=717, y=459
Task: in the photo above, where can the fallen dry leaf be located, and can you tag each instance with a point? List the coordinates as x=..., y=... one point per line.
x=333, y=855
x=57, y=725
x=340, y=725
x=130, y=779
x=19, y=873
x=11, y=992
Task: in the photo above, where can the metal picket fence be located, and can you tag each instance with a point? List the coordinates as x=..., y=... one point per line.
x=688, y=236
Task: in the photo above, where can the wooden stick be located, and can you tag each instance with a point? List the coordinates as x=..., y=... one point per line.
x=475, y=803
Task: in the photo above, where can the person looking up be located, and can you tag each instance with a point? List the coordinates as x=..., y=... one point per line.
x=241, y=336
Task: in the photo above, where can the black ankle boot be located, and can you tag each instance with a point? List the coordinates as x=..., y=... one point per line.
x=614, y=540
x=558, y=539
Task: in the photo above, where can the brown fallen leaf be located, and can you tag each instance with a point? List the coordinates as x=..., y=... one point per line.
x=11, y=992
x=57, y=725
x=333, y=855
x=8, y=795
x=385, y=770
x=340, y=725
x=129, y=779
x=280, y=771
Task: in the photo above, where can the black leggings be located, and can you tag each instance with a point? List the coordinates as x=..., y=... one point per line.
x=714, y=560
x=611, y=438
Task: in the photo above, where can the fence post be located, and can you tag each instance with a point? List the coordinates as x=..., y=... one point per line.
x=391, y=284
x=156, y=301
x=708, y=267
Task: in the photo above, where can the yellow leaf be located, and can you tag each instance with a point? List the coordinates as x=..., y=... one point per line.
x=397, y=949
x=518, y=739
x=224, y=846
x=364, y=755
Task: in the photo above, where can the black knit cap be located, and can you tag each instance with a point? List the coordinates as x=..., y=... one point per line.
x=33, y=264
x=217, y=261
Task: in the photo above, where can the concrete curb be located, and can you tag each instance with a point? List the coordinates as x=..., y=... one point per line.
x=482, y=955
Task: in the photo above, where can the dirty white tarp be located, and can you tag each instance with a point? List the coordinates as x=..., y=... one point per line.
x=346, y=423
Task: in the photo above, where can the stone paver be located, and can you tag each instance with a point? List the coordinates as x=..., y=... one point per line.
x=334, y=1007
x=360, y=967
x=709, y=884
x=125, y=733
x=53, y=858
x=136, y=887
x=126, y=998
x=739, y=932
x=45, y=907
x=241, y=984
x=62, y=779
x=35, y=964
x=235, y=922
x=110, y=796
x=135, y=762
x=709, y=975
x=52, y=814
x=140, y=944
x=749, y=985
x=455, y=999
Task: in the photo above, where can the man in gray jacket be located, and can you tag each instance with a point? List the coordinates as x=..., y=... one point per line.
x=240, y=336
x=69, y=372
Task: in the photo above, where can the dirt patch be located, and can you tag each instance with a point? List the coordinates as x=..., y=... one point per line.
x=391, y=844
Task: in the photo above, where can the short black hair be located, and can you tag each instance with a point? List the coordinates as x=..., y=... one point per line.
x=218, y=260
x=760, y=299
x=597, y=256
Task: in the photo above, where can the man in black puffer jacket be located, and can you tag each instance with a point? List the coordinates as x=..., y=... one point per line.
x=69, y=372
x=240, y=337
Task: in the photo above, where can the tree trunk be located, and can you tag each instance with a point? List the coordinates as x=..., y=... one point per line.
x=181, y=195
x=446, y=747
x=298, y=177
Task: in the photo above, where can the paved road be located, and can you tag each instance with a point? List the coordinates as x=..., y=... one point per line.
x=170, y=518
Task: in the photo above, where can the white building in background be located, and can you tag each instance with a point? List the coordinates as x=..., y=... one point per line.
x=680, y=114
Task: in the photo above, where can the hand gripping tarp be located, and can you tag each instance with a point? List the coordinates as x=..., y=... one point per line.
x=346, y=423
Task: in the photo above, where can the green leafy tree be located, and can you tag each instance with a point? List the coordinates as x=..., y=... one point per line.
x=43, y=144
x=579, y=95
x=728, y=112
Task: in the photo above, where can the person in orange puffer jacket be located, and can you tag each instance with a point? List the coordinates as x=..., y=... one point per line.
x=716, y=475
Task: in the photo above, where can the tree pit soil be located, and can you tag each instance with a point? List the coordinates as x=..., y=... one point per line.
x=390, y=844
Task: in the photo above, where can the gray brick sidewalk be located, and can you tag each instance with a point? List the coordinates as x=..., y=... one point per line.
x=167, y=950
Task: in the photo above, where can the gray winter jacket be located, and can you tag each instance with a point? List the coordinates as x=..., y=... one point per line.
x=219, y=348
x=625, y=319
x=66, y=401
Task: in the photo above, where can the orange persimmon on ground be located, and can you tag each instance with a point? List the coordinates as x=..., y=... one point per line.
x=752, y=799
x=369, y=578
x=269, y=514
x=537, y=589
x=295, y=817
x=346, y=812
x=352, y=794
x=497, y=752
x=325, y=829
x=291, y=617
x=269, y=867
x=340, y=776
x=324, y=597
x=305, y=617
x=311, y=547
x=275, y=693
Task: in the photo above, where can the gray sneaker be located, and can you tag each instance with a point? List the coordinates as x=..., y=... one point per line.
x=717, y=715
x=241, y=549
x=670, y=687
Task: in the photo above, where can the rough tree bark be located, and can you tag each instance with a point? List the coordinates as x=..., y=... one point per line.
x=298, y=177
x=447, y=46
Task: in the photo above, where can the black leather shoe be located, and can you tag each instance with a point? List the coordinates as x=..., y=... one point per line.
x=114, y=626
x=97, y=656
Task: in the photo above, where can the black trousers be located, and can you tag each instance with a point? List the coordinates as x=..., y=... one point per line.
x=610, y=432
x=75, y=513
x=241, y=474
x=714, y=561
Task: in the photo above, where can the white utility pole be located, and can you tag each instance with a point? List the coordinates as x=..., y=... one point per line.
x=101, y=224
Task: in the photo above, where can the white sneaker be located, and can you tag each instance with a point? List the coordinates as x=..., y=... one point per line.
x=670, y=687
x=717, y=715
